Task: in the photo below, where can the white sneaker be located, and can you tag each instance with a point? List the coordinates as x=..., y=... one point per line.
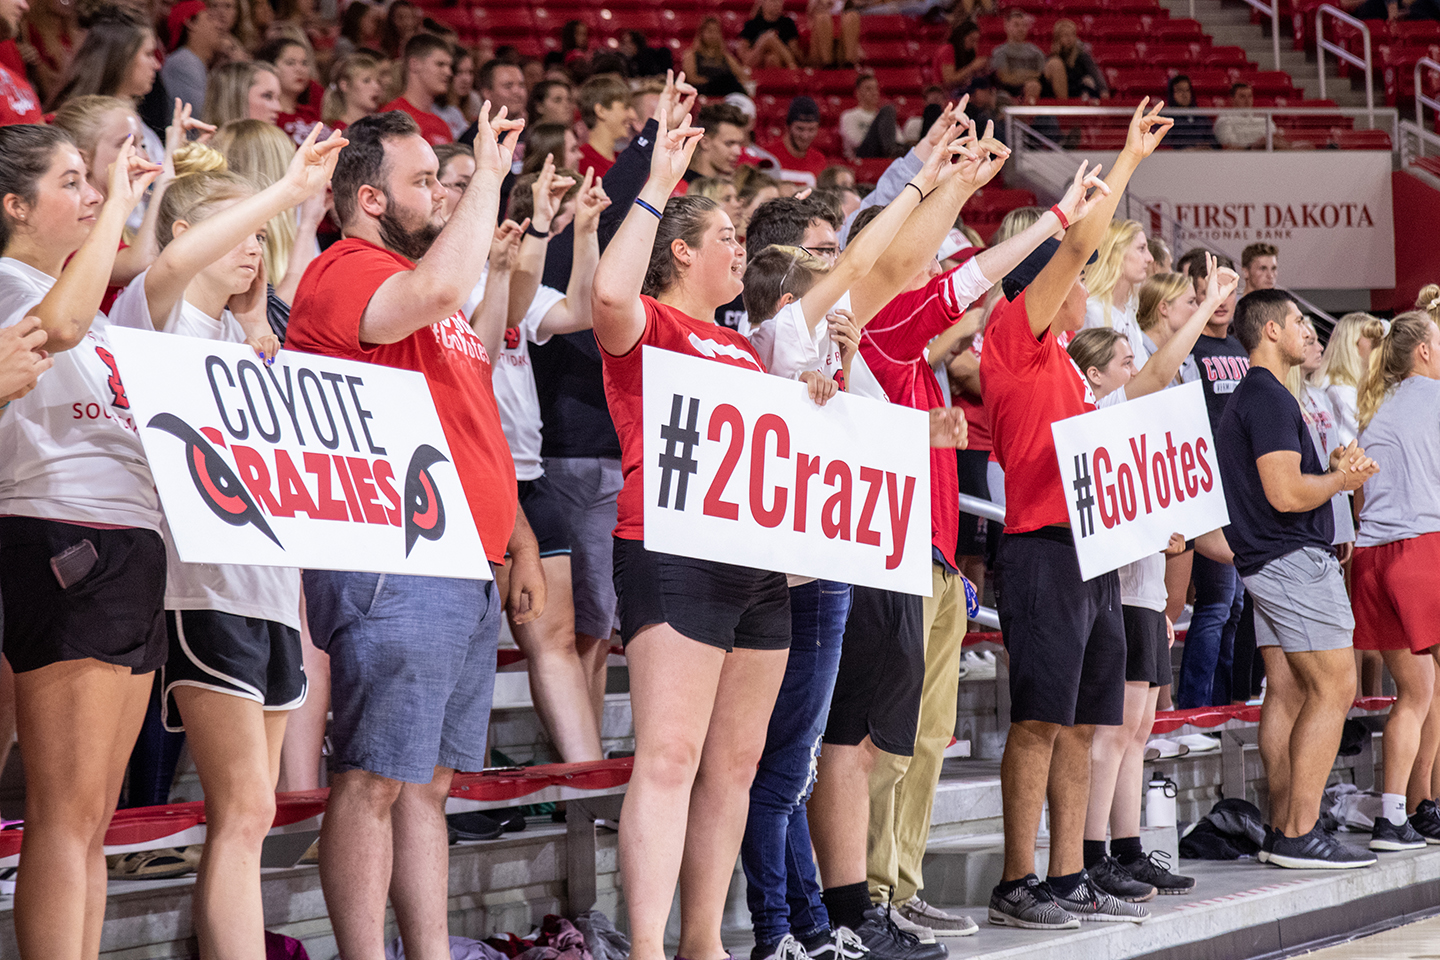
x=940, y=922
x=1161, y=749
x=922, y=933
x=977, y=666
x=1199, y=743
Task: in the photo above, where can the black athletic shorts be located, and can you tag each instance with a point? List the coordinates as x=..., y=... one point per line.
x=1147, y=647
x=546, y=515
x=974, y=531
x=247, y=657
x=882, y=670
x=114, y=612
x=1065, y=635
x=719, y=604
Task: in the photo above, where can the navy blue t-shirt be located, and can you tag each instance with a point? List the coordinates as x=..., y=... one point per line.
x=1222, y=362
x=1263, y=417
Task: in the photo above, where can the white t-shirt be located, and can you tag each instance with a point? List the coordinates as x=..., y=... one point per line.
x=789, y=349
x=1345, y=402
x=69, y=449
x=1324, y=426
x=265, y=593
x=514, y=383
x=1122, y=319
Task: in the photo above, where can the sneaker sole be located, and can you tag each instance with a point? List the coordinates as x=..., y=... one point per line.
x=1108, y=918
x=1005, y=920
x=1395, y=846
x=1263, y=856
x=1145, y=899
x=1176, y=891
x=1300, y=863
x=967, y=932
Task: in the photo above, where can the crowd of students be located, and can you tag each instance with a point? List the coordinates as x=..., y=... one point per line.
x=801, y=724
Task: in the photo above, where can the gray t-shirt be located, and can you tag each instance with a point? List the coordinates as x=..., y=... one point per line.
x=1018, y=56
x=185, y=77
x=1403, y=499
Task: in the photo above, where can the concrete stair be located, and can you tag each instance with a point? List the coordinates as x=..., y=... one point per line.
x=1228, y=22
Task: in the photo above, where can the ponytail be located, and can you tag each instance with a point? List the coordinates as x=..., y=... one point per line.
x=1392, y=360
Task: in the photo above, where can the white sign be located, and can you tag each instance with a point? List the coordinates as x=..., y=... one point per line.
x=311, y=462
x=1137, y=472
x=741, y=467
x=1329, y=212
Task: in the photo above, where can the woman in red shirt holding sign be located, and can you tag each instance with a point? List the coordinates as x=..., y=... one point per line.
x=707, y=642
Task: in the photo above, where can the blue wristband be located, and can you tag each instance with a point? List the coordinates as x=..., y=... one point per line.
x=645, y=206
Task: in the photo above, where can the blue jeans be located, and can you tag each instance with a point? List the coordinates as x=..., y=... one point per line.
x=1205, y=665
x=782, y=890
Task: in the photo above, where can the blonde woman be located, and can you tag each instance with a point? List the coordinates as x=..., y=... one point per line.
x=261, y=152
x=1018, y=221
x=1428, y=299
x=243, y=91
x=357, y=88
x=1343, y=366
x=1114, y=282
x=722, y=192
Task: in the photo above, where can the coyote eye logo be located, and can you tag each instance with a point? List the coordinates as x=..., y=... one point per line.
x=216, y=483
x=424, y=510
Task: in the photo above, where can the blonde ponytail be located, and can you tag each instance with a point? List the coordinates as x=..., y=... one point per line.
x=1392, y=360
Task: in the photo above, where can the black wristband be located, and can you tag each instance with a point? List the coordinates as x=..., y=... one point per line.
x=530, y=231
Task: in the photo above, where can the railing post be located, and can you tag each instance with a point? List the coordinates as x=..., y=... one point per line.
x=1320, y=50
x=1275, y=30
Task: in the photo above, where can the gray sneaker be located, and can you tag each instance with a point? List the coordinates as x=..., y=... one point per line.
x=940, y=922
x=1089, y=902
x=1030, y=906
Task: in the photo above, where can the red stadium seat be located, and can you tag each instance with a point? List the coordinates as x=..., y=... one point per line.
x=777, y=81
x=897, y=80
x=1176, y=29
x=1142, y=82
x=1168, y=54
x=1226, y=57
x=1115, y=54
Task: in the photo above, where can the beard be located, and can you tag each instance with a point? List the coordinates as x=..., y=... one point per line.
x=410, y=242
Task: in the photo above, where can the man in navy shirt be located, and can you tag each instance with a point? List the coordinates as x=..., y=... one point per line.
x=1278, y=494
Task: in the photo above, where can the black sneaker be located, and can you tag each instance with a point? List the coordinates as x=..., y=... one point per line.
x=1267, y=846
x=1317, y=850
x=474, y=826
x=1387, y=837
x=840, y=943
x=885, y=941
x=1426, y=821
x=1154, y=869
x=1115, y=880
x=787, y=949
x=1089, y=902
x=1030, y=906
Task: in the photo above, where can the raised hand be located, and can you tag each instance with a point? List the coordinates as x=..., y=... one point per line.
x=677, y=100
x=312, y=165
x=951, y=144
x=590, y=202
x=981, y=161
x=1146, y=130
x=495, y=140
x=548, y=191
x=1084, y=192
x=1220, y=282
x=937, y=132
x=130, y=176
x=178, y=133
x=673, y=150
x=505, y=245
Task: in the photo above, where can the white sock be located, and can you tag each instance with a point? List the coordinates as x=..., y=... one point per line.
x=1393, y=806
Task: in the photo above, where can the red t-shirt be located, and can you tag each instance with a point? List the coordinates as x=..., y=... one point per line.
x=18, y=103
x=813, y=162
x=590, y=157
x=298, y=125
x=976, y=418
x=893, y=345
x=1028, y=384
x=432, y=128
x=669, y=329
x=325, y=319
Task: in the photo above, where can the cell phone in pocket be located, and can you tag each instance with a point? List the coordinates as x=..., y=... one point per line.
x=72, y=564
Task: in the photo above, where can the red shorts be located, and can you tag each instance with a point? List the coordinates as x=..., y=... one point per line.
x=1393, y=593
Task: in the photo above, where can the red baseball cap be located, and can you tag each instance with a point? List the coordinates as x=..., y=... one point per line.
x=181, y=14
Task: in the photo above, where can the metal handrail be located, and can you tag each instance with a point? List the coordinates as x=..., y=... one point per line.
x=1271, y=10
x=1322, y=45
x=1422, y=101
x=995, y=514
x=1389, y=117
x=1413, y=140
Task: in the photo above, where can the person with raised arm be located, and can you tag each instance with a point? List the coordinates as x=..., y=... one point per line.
x=78, y=508
x=412, y=659
x=235, y=667
x=706, y=642
x=1065, y=635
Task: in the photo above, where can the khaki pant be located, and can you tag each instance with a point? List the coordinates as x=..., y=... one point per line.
x=902, y=789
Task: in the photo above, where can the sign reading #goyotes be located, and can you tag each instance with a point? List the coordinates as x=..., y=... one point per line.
x=1137, y=472
x=311, y=462
x=741, y=467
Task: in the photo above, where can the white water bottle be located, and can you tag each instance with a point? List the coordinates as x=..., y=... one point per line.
x=1160, y=802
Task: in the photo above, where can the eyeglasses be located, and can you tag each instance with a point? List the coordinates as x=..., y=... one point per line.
x=829, y=254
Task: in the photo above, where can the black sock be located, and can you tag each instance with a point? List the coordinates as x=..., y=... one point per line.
x=1094, y=853
x=1125, y=849
x=847, y=905
x=1010, y=886
x=1064, y=886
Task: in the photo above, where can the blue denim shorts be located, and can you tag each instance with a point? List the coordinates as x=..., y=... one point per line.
x=412, y=669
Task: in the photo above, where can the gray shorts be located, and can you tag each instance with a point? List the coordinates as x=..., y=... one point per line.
x=1300, y=603
x=412, y=669
x=587, y=488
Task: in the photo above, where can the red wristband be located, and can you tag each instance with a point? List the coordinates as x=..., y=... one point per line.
x=1064, y=224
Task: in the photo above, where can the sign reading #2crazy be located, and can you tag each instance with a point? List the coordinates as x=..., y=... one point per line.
x=1135, y=473
x=311, y=462
x=743, y=468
